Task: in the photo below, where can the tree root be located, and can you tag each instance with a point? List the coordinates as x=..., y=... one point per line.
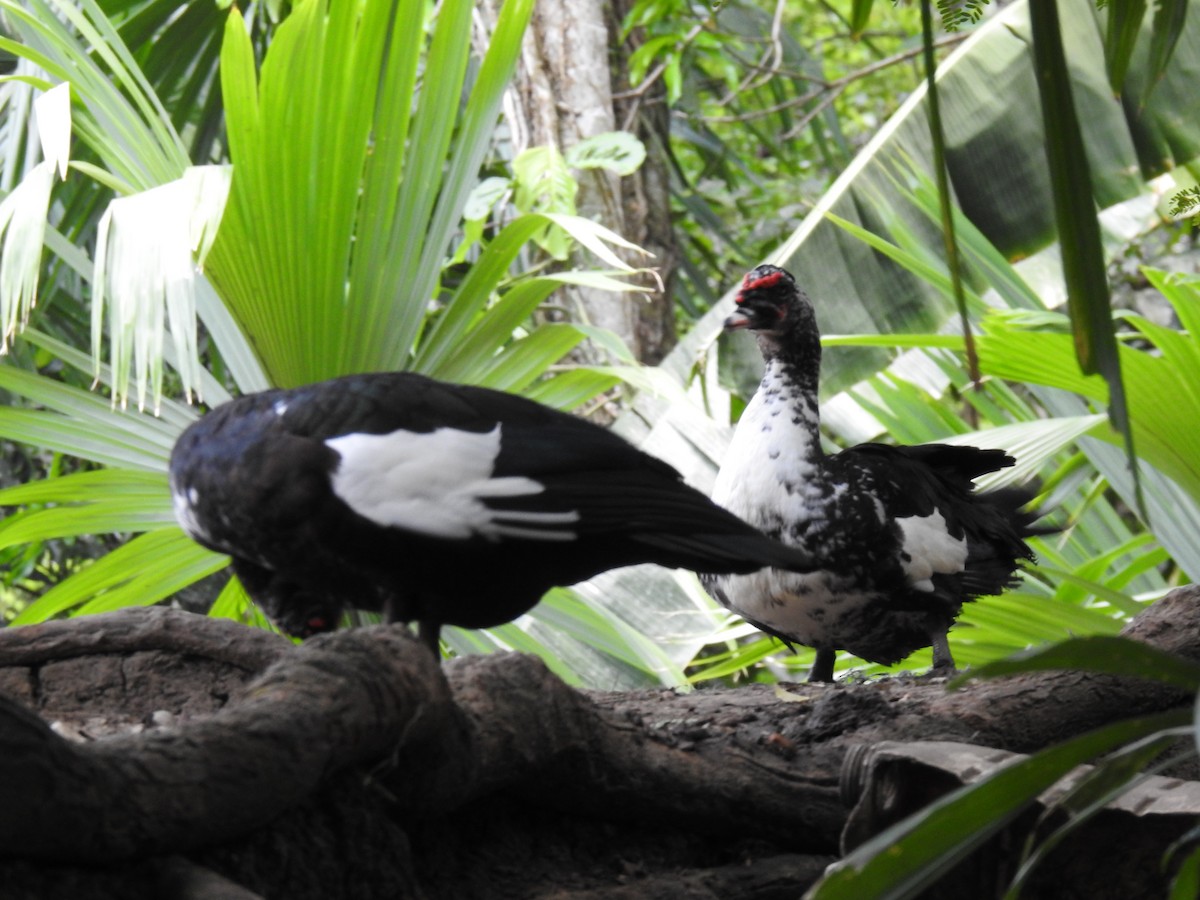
x=367, y=718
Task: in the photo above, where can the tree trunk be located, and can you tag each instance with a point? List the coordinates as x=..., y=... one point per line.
x=355, y=766
x=572, y=63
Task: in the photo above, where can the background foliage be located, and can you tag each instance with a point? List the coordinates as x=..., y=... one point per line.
x=321, y=267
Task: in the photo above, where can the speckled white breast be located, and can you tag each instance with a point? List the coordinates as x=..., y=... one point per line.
x=769, y=462
x=817, y=609
x=765, y=480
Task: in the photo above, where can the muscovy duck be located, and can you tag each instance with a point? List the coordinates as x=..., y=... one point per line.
x=899, y=539
x=435, y=503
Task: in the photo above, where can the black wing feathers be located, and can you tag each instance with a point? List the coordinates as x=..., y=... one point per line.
x=917, y=480
x=389, y=401
x=623, y=497
x=639, y=505
x=618, y=490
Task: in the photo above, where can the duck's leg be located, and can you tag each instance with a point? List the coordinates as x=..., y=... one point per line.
x=822, y=667
x=943, y=659
x=428, y=634
x=395, y=609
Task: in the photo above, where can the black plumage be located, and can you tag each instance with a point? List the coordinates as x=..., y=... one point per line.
x=899, y=538
x=435, y=503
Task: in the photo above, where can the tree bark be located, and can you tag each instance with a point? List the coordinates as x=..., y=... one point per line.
x=209, y=749
x=572, y=64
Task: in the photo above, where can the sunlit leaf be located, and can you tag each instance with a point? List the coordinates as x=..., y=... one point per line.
x=143, y=571
x=53, y=110
x=1098, y=653
x=617, y=151
x=860, y=15
x=145, y=280
x=22, y=228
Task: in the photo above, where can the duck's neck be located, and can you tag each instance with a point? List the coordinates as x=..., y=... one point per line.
x=787, y=414
x=777, y=443
x=793, y=374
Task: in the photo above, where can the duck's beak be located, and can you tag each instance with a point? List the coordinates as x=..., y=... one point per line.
x=737, y=320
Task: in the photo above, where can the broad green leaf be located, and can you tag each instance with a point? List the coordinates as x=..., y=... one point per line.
x=234, y=603
x=543, y=182
x=82, y=487
x=143, y=571
x=236, y=351
x=118, y=115
x=617, y=151
x=913, y=854
x=1097, y=653
x=473, y=294
x=81, y=439
x=403, y=173
x=1186, y=884
x=89, y=410
x=470, y=356
x=108, y=500
x=1088, y=587
x=1032, y=444
x=1124, y=26
x=523, y=361
x=1109, y=779
x=117, y=514
x=915, y=186
x=931, y=341
x=860, y=15
x=1014, y=620
x=596, y=238
x=1162, y=428
x=1074, y=205
x=572, y=388
x=474, y=135
x=171, y=418
x=177, y=565
x=485, y=195
x=1169, y=18
x=567, y=613
x=730, y=663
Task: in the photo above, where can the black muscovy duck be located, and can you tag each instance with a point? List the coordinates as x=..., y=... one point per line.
x=436, y=503
x=898, y=537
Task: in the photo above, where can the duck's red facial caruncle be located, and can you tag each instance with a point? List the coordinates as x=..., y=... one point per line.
x=764, y=300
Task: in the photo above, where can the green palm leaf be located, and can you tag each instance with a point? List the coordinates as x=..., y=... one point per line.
x=354, y=152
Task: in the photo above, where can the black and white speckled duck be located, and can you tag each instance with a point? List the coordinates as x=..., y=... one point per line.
x=436, y=503
x=898, y=536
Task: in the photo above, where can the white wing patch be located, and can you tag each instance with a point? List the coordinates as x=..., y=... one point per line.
x=435, y=483
x=931, y=548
